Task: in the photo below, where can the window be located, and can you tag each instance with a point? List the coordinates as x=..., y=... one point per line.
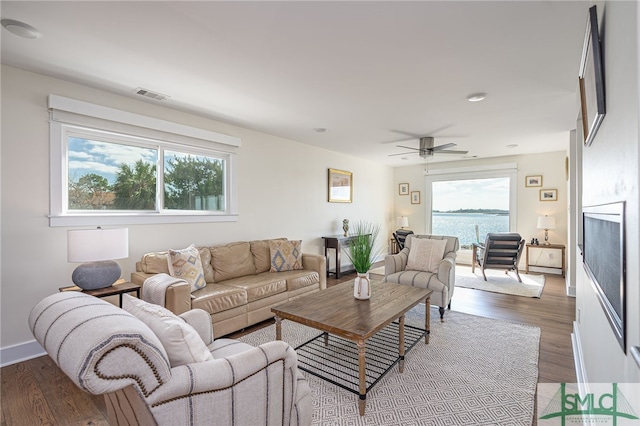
x=470, y=208
x=469, y=203
x=119, y=172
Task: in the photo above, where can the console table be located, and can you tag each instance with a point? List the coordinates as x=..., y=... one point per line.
x=548, y=258
x=335, y=242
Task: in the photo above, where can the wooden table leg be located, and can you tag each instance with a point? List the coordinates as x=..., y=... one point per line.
x=278, y=328
x=401, y=344
x=427, y=319
x=362, y=402
x=326, y=339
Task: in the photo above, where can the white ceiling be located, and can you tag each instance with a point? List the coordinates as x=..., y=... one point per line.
x=372, y=73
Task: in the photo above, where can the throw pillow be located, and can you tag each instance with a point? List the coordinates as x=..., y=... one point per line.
x=180, y=340
x=186, y=264
x=425, y=254
x=285, y=255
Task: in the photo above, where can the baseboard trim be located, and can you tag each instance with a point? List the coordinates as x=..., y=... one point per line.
x=578, y=359
x=20, y=352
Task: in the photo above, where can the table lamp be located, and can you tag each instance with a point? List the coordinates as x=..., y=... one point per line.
x=97, y=247
x=546, y=223
x=402, y=222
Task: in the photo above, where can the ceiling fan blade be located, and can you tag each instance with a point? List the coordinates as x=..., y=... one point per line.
x=403, y=153
x=408, y=147
x=441, y=147
x=448, y=151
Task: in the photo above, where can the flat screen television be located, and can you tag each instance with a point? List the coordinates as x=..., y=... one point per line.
x=603, y=255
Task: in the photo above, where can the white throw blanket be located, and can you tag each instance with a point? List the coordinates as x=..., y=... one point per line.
x=154, y=288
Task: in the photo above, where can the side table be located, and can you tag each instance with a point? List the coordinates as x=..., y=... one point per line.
x=549, y=257
x=119, y=288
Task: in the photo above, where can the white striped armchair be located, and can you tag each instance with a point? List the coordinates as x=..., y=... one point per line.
x=106, y=350
x=437, y=273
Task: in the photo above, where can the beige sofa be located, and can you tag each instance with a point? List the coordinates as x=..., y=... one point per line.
x=240, y=288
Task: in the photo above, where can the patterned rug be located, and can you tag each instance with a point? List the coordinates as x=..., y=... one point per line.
x=474, y=371
x=499, y=282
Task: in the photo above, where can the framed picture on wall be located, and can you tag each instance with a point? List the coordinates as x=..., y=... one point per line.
x=340, y=186
x=592, y=95
x=415, y=197
x=533, y=180
x=403, y=189
x=548, y=195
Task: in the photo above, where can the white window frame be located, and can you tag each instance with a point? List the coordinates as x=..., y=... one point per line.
x=509, y=170
x=70, y=115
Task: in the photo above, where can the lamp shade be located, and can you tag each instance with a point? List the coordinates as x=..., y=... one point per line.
x=402, y=221
x=97, y=247
x=89, y=245
x=546, y=222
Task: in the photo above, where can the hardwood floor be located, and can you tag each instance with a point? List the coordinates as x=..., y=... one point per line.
x=36, y=392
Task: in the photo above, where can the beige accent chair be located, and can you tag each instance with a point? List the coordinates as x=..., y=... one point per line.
x=441, y=282
x=106, y=350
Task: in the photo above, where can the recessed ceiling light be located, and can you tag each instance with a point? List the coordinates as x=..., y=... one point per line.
x=20, y=29
x=476, y=97
x=320, y=130
x=512, y=145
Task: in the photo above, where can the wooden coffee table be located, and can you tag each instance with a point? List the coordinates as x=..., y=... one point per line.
x=337, y=312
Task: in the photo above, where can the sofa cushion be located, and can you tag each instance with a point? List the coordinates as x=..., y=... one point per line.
x=216, y=298
x=259, y=286
x=186, y=264
x=262, y=254
x=425, y=254
x=285, y=255
x=300, y=279
x=180, y=340
x=154, y=263
x=158, y=263
x=232, y=261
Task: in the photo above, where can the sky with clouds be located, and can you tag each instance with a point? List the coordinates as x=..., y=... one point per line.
x=471, y=194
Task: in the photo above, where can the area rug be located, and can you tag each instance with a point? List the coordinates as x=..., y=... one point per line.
x=474, y=371
x=499, y=282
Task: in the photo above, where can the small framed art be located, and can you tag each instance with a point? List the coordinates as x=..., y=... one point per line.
x=403, y=189
x=415, y=197
x=533, y=180
x=591, y=79
x=340, y=186
x=548, y=195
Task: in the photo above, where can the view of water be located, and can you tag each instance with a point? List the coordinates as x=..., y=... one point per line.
x=463, y=225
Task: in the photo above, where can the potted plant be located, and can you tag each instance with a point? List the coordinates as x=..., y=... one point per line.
x=362, y=253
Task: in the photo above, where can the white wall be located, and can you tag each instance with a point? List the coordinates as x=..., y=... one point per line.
x=610, y=174
x=529, y=207
x=282, y=192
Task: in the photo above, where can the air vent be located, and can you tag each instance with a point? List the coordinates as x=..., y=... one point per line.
x=151, y=95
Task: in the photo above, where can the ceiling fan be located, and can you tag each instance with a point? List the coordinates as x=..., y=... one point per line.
x=428, y=148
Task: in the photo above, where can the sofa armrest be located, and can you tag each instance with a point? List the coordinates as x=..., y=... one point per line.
x=318, y=263
x=101, y=347
x=270, y=368
x=395, y=262
x=445, y=268
x=200, y=320
x=177, y=298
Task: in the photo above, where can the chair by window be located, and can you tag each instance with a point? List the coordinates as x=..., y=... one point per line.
x=440, y=278
x=499, y=251
x=401, y=236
